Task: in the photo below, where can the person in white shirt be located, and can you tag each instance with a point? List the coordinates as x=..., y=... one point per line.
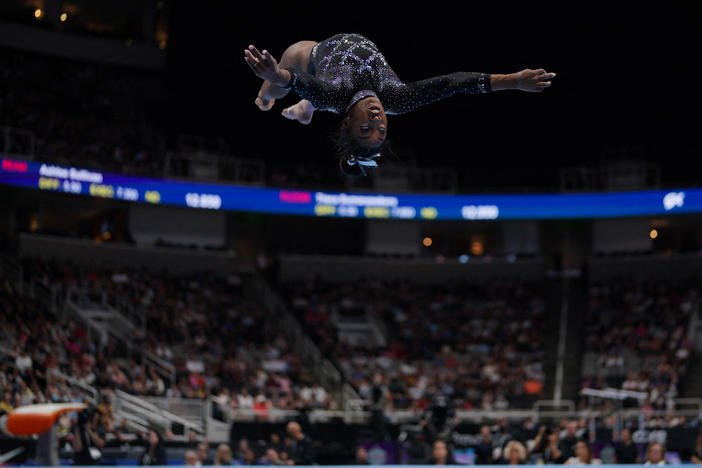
x=320, y=395
x=583, y=455
x=191, y=458
x=245, y=400
x=23, y=362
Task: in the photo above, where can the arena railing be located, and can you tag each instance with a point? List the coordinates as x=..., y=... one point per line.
x=322, y=369
x=162, y=367
x=85, y=305
x=219, y=422
x=165, y=420
x=7, y=352
x=192, y=409
x=545, y=406
x=91, y=396
x=274, y=415
x=214, y=167
x=408, y=177
x=95, y=331
x=93, y=308
x=125, y=310
x=68, y=383
x=687, y=405
x=120, y=255
x=405, y=416
x=617, y=175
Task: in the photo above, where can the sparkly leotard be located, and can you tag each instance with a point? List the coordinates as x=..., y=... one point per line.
x=348, y=67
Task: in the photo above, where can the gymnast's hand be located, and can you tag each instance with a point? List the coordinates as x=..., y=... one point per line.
x=533, y=81
x=265, y=66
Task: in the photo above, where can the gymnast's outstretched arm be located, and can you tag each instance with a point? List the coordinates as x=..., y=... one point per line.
x=407, y=97
x=531, y=81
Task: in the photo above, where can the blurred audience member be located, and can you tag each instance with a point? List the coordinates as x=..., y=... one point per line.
x=440, y=454
x=271, y=457
x=625, y=450
x=514, y=453
x=583, y=455
x=655, y=454
x=361, y=456
x=6, y=403
x=223, y=456
x=483, y=450
x=569, y=438
x=301, y=447
x=155, y=453
x=191, y=458
x=203, y=453
x=697, y=455
x=555, y=451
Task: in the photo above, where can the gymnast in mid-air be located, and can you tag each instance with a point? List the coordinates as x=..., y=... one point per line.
x=347, y=75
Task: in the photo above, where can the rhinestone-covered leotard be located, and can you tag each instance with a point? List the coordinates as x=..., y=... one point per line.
x=348, y=67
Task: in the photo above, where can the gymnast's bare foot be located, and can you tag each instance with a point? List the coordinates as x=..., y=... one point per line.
x=263, y=103
x=302, y=112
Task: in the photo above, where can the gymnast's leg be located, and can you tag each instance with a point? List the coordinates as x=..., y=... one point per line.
x=296, y=56
x=302, y=112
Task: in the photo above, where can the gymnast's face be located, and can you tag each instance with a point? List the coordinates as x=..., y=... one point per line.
x=367, y=122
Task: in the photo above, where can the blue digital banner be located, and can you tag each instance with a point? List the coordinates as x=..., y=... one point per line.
x=56, y=178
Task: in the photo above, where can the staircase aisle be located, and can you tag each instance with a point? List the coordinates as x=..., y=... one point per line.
x=565, y=307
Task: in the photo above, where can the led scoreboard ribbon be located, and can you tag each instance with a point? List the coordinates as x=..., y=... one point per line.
x=56, y=178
